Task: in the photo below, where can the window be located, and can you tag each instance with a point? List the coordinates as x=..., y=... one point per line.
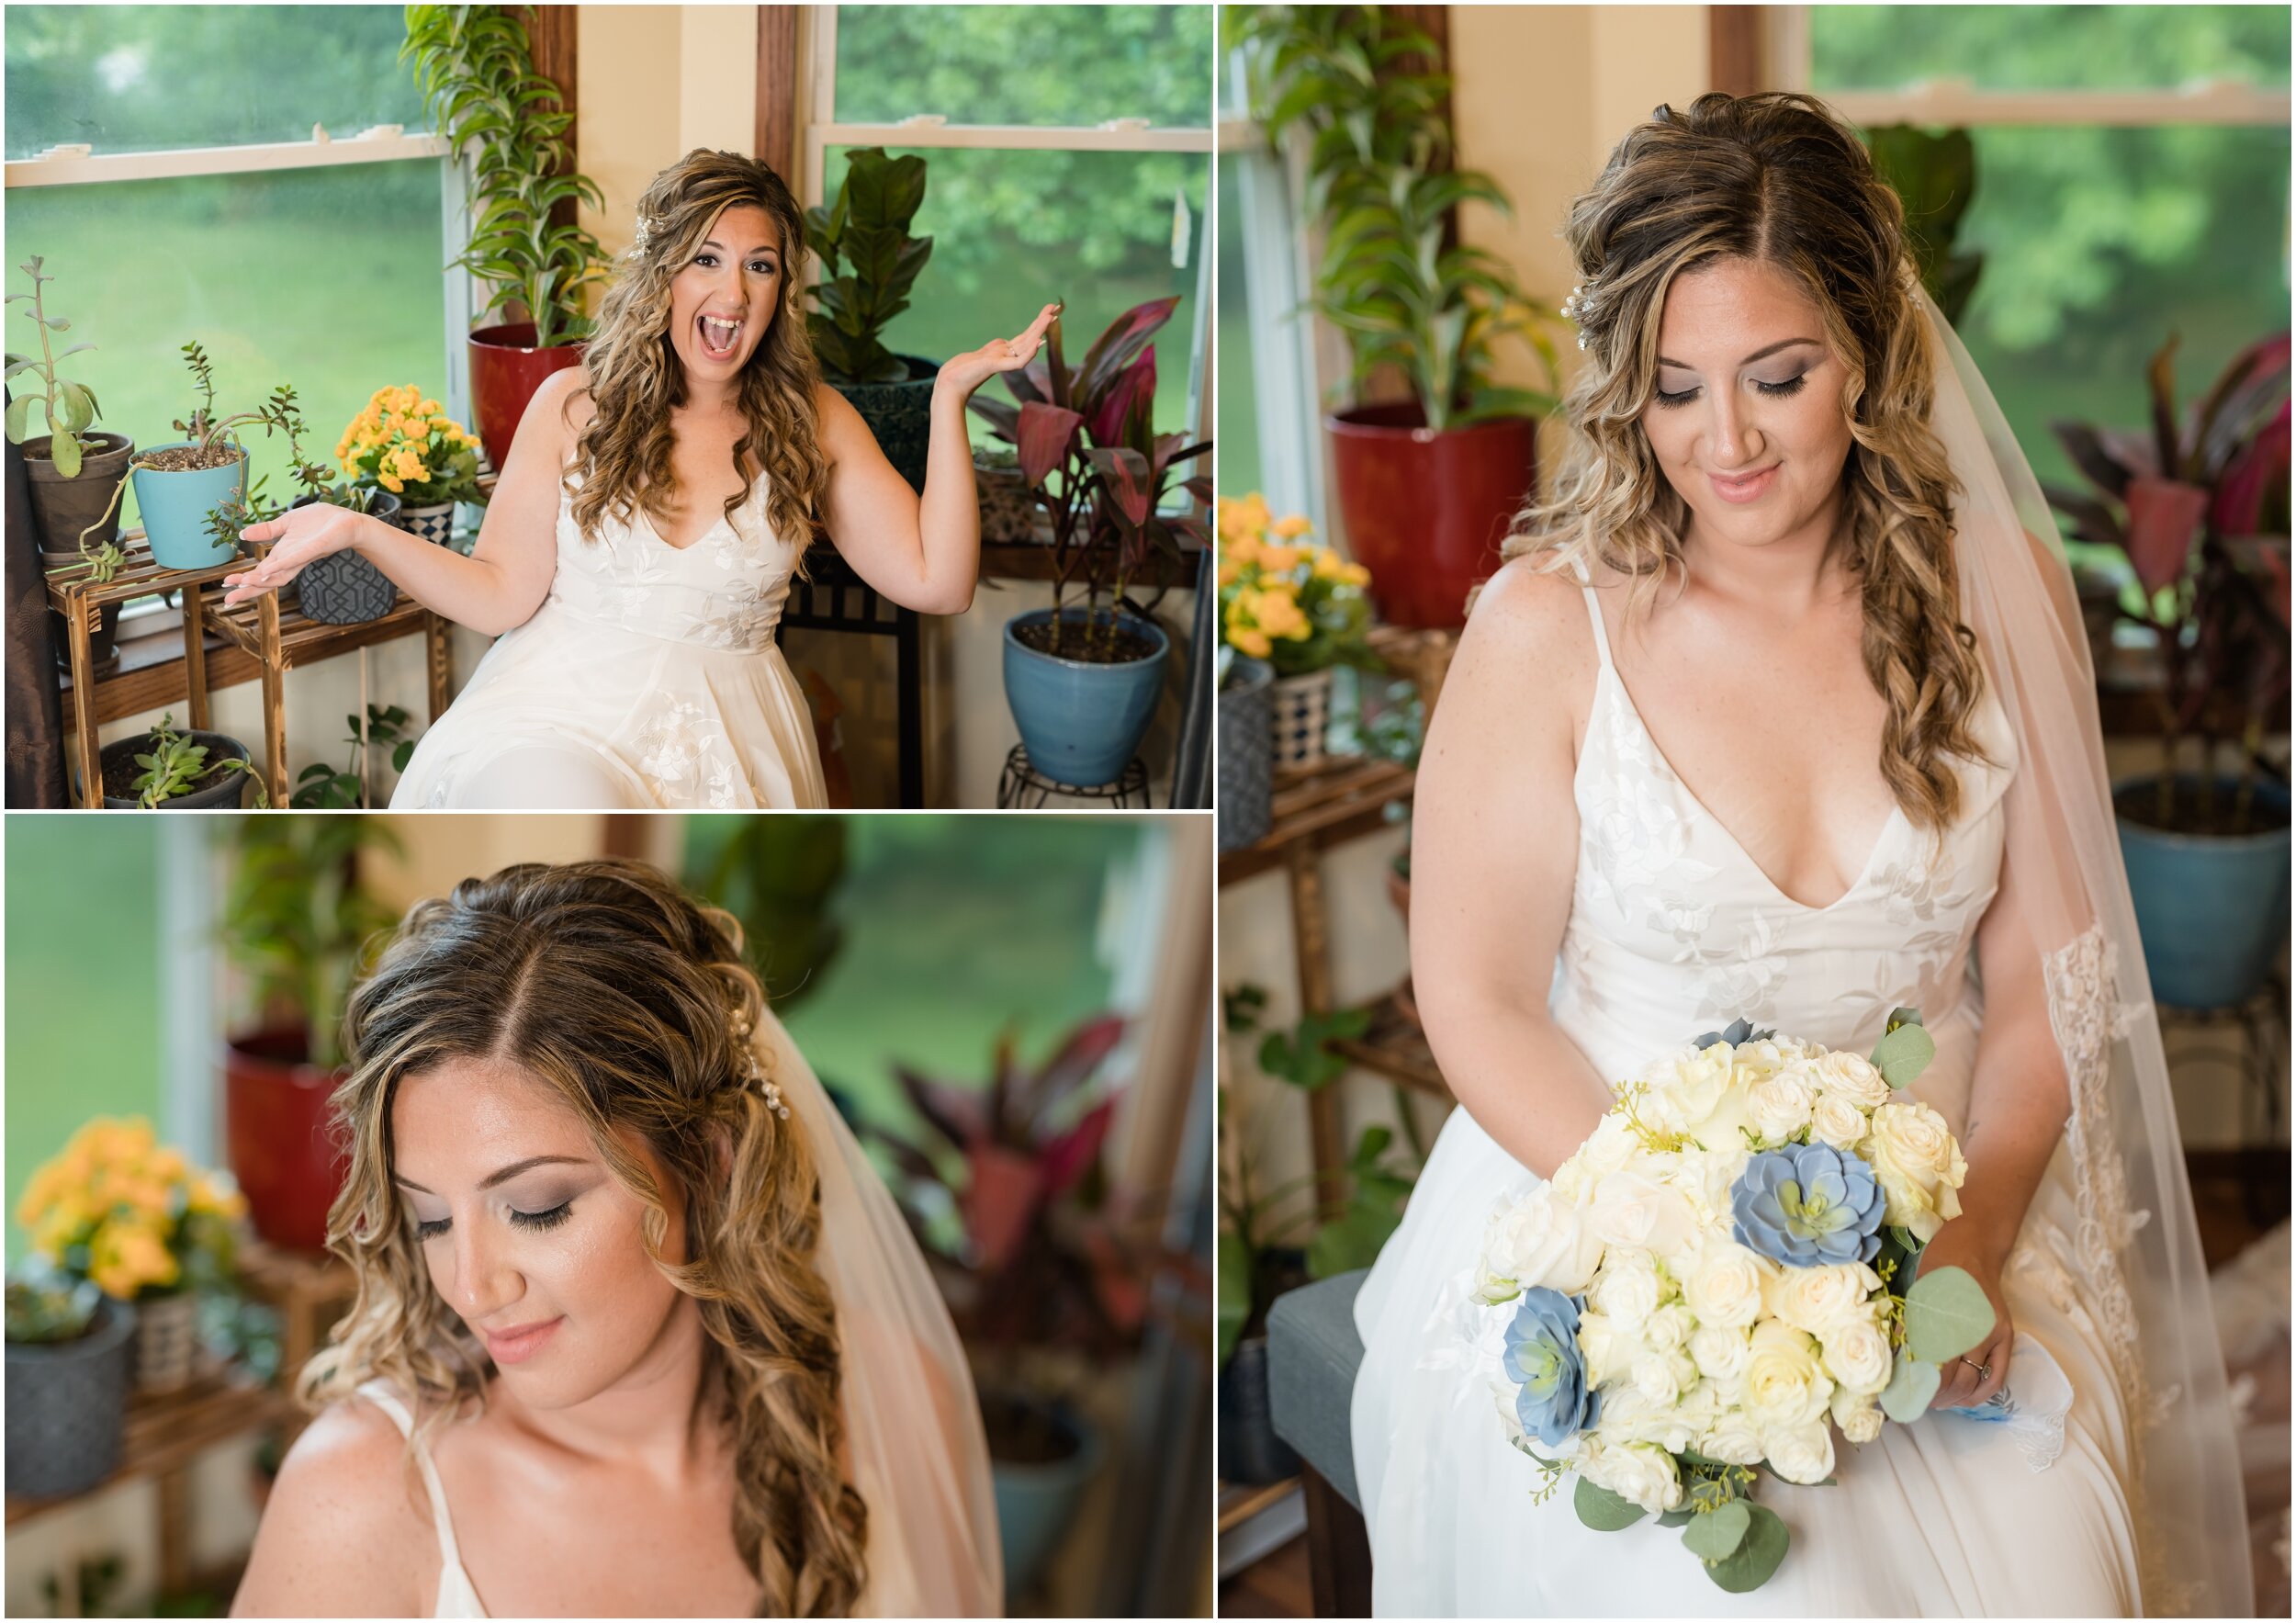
x=206, y=209
x=1068, y=154
x=2133, y=181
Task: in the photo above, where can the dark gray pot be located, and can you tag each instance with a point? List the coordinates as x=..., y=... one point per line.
x=1247, y=753
x=68, y=1407
x=226, y=790
x=1250, y=1451
x=900, y=416
x=343, y=589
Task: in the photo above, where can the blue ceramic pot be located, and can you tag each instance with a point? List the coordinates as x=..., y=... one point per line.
x=175, y=508
x=1080, y=721
x=2211, y=908
x=1035, y=1504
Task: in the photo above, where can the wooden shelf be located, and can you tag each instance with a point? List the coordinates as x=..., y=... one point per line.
x=1342, y=798
x=1396, y=1048
x=1239, y=1504
x=163, y=1434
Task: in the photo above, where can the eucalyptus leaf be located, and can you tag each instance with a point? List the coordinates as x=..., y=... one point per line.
x=1903, y=1054
x=1603, y=1510
x=1947, y=1312
x=1717, y=1535
x=1678, y=1518
x=1750, y=1567
x=1912, y=1384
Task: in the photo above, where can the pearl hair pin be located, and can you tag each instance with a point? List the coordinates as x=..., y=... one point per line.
x=1575, y=307
x=739, y=1025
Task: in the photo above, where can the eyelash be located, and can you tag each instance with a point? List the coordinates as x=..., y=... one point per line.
x=1792, y=386
x=527, y=1219
x=765, y=267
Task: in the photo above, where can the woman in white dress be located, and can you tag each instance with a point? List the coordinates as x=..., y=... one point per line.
x=655, y=504
x=639, y=1331
x=1781, y=709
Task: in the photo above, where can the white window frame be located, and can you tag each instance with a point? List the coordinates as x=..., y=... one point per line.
x=934, y=131
x=1277, y=276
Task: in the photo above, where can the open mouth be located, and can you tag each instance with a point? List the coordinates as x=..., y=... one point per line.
x=720, y=337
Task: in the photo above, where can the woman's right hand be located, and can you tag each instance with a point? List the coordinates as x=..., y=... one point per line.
x=300, y=536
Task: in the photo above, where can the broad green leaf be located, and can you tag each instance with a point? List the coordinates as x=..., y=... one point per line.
x=1235, y=1293
x=1717, y=1535
x=1912, y=1384
x=20, y=417
x=1755, y=1560
x=1678, y=1518
x=65, y=449
x=1903, y=1054
x=1947, y=1312
x=1603, y=1510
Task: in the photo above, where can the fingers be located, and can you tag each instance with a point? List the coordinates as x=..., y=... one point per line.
x=1997, y=1359
x=271, y=529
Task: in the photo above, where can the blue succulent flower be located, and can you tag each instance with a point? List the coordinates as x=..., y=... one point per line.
x=1808, y=1204
x=1543, y=1355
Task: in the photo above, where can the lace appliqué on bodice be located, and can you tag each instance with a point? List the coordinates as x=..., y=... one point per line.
x=725, y=590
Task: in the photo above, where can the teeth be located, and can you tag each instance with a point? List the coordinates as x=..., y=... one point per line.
x=719, y=334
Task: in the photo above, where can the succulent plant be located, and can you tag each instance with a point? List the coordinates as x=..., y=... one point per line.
x=47, y=1308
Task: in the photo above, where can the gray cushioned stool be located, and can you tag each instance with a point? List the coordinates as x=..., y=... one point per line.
x=1312, y=1355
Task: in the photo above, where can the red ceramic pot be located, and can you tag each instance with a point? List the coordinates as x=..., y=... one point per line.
x=505, y=370
x=275, y=1127
x=1425, y=510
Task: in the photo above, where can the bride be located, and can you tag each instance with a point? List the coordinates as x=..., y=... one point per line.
x=655, y=504
x=639, y=1331
x=1781, y=709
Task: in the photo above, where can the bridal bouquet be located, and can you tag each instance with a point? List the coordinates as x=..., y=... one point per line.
x=1720, y=1272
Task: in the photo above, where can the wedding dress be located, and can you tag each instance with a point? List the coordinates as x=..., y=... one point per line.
x=649, y=678
x=1674, y=931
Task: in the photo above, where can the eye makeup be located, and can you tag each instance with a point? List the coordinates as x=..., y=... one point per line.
x=526, y=1220
x=1780, y=390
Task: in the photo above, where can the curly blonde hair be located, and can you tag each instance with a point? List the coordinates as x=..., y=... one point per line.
x=623, y=462
x=1774, y=178
x=609, y=984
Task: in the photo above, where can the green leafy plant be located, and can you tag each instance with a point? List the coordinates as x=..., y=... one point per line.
x=65, y=406
x=780, y=877
x=1088, y=446
x=321, y=787
x=1935, y=177
x=47, y=1306
x=1378, y=181
x=869, y=262
x=176, y=764
x=474, y=68
x=297, y=920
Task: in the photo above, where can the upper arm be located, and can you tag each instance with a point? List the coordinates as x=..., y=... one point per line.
x=338, y=1533
x=519, y=534
x=866, y=496
x=1494, y=827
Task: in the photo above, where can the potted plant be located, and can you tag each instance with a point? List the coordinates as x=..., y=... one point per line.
x=73, y=471
x=163, y=769
x=68, y=1346
x=869, y=262
x=1278, y=1236
x=1299, y=606
x=475, y=70
x=1427, y=484
x=342, y=589
x=194, y=494
x=404, y=442
x=322, y=788
x=1009, y=509
x=1032, y=1270
x=296, y=924
x=1247, y=746
x=2200, y=510
x=147, y=1227
x=1083, y=679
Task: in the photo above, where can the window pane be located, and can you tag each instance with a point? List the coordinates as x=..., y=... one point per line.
x=1238, y=433
x=1014, y=230
x=2100, y=242
x=144, y=78
x=2047, y=47
x=1025, y=64
x=328, y=279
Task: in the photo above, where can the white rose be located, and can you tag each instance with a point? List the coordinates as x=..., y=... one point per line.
x=1610, y=1146
x=1542, y=1240
x=1641, y=1473
x=1908, y=1204
x=1858, y=1357
x=1912, y=1140
x=1817, y=1299
x=1724, y=1286
x=1628, y=1289
x=1853, y=1076
x=1785, y=1385
x=1721, y=1353
x=1836, y=1119
x=1683, y=1088
x=1732, y=1438
x=1605, y=1350
x=1801, y=1453
x=1698, y=1407
x=1661, y=1376
x=1705, y=1178
x=1631, y=1209
x=1858, y=1415
x=1781, y=1105
x=1668, y=1328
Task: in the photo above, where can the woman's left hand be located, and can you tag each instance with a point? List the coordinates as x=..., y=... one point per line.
x=967, y=372
x=1973, y=1379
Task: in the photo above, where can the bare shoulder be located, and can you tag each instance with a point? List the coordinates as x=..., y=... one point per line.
x=564, y=401
x=1528, y=642
x=340, y=1536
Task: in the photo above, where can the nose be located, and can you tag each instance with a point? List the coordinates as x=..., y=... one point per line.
x=1737, y=441
x=484, y=1282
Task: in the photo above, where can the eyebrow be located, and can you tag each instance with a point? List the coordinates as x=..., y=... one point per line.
x=1750, y=360
x=512, y=1170
x=765, y=248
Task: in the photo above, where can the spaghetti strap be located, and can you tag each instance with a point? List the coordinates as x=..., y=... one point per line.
x=379, y=1393
x=1594, y=613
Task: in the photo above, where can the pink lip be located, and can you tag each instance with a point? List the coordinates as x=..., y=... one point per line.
x=1750, y=488
x=517, y=1347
